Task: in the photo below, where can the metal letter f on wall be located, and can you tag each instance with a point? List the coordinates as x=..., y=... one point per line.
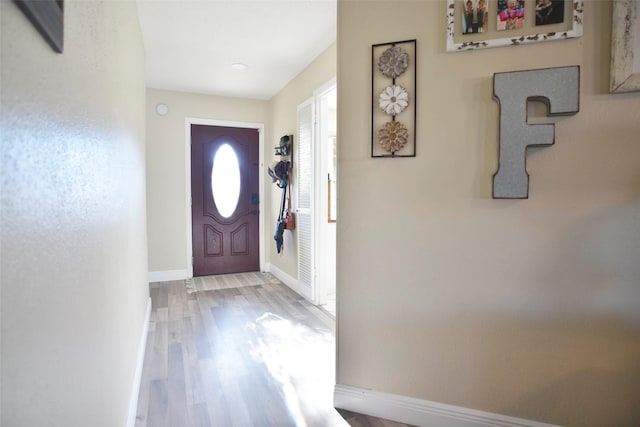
x=559, y=89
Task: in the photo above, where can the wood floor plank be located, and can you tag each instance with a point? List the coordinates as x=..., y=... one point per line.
x=214, y=395
x=157, y=415
x=192, y=376
x=177, y=397
x=199, y=415
x=174, y=301
x=159, y=348
x=159, y=295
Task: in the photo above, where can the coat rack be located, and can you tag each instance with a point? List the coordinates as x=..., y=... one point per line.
x=280, y=173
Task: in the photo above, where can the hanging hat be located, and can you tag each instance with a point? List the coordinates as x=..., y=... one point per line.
x=271, y=170
x=278, y=171
x=284, y=147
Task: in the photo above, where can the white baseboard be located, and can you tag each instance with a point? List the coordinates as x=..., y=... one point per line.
x=419, y=412
x=137, y=379
x=293, y=283
x=168, y=275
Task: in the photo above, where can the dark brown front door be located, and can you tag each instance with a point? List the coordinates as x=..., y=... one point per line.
x=224, y=243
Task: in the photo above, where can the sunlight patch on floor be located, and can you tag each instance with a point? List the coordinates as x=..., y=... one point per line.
x=296, y=356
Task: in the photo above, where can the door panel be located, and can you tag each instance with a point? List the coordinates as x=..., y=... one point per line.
x=305, y=194
x=224, y=244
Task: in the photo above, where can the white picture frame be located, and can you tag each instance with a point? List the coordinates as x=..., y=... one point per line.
x=498, y=39
x=625, y=47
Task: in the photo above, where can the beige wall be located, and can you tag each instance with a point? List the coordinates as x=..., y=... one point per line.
x=527, y=308
x=74, y=254
x=166, y=186
x=284, y=121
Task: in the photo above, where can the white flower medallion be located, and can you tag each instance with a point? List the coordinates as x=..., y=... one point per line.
x=393, y=100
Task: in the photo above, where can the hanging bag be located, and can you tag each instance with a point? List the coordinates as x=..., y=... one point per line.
x=289, y=217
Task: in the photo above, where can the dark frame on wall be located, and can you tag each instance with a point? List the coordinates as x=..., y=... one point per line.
x=47, y=16
x=393, y=99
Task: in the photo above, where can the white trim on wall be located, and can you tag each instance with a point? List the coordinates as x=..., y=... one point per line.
x=419, y=412
x=188, y=121
x=321, y=227
x=137, y=379
x=168, y=275
x=299, y=287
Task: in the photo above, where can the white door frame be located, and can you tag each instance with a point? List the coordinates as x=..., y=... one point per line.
x=321, y=204
x=188, y=121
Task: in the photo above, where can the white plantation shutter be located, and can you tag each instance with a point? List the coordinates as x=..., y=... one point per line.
x=304, y=192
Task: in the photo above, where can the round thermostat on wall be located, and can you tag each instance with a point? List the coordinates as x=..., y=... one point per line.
x=162, y=109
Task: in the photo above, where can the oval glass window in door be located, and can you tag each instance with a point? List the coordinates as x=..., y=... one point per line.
x=225, y=180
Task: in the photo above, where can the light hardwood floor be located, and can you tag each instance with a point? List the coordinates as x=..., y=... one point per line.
x=248, y=356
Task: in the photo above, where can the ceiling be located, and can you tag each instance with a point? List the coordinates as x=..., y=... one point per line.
x=190, y=45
